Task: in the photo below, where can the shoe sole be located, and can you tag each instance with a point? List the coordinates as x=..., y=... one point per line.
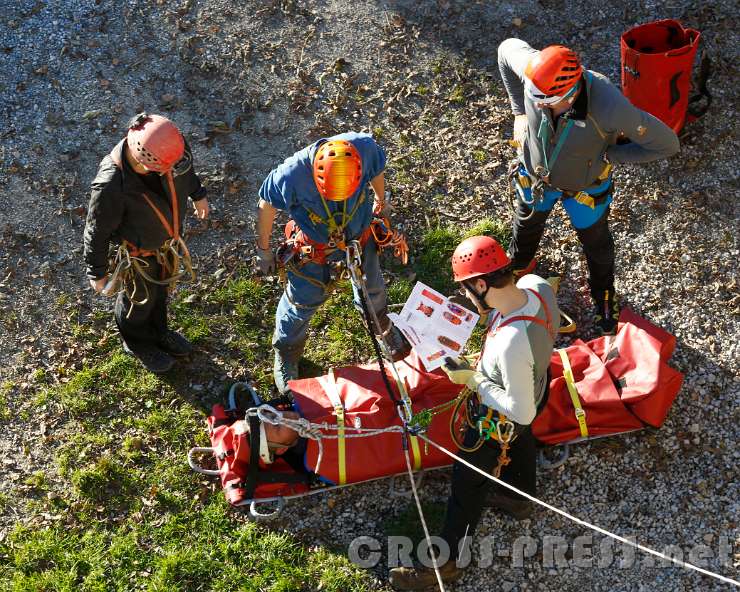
x=174, y=355
x=128, y=352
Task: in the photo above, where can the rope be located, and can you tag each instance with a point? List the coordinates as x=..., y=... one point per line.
x=428, y=537
x=173, y=257
x=371, y=320
x=315, y=431
x=582, y=522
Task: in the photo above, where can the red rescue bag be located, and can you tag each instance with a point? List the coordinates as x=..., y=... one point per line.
x=366, y=404
x=657, y=60
x=230, y=443
x=623, y=383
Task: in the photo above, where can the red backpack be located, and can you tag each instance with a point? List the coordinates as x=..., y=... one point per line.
x=657, y=60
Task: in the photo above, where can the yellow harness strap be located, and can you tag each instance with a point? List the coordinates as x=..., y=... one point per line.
x=333, y=393
x=570, y=382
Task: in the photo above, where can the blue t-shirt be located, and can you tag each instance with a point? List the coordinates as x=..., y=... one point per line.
x=290, y=187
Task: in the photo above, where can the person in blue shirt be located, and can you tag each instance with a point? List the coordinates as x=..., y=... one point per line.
x=325, y=189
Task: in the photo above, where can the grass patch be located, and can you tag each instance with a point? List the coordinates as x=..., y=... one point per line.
x=105, y=480
x=457, y=95
x=98, y=388
x=338, y=326
x=203, y=550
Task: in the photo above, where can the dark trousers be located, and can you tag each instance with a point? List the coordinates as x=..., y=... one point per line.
x=596, y=240
x=471, y=490
x=147, y=322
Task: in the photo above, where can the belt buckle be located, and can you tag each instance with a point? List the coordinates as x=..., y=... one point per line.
x=585, y=199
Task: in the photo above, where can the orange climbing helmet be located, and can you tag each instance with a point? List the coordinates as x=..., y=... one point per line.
x=477, y=256
x=552, y=74
x=155, y=142
x=337, y=170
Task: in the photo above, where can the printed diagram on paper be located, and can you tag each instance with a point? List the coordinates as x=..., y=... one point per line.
x=435, y=327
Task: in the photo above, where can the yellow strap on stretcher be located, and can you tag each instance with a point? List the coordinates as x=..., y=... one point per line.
x=570, y=382
x=333, y=393
x=415, y=448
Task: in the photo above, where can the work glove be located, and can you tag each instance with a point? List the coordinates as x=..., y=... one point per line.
x=520, y=130
x=99, y=284
x=201, y=208
x=459, y=372
x=266, y=261
x=383, y=209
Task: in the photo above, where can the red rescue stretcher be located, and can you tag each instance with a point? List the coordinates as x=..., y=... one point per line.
x=352, y=432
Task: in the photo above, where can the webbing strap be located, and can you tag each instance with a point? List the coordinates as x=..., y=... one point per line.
x=329, y=221
x=544, y=136
x=174, y=229
x=547, y=324
x=160, y=215
x=571, y=384
x=333, y=393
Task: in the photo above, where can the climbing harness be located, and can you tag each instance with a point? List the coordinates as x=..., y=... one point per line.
x=129, y=262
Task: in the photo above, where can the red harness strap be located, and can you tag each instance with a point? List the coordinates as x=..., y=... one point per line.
x=312, y=250
x=547, y=324
x=173, y=230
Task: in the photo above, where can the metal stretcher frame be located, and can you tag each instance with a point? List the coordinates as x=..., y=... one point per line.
x=281, y=500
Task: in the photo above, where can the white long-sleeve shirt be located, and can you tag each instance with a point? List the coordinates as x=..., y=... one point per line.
x=516, y=355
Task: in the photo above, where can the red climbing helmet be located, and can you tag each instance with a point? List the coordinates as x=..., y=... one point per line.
x=476, y=256
x=337, y=170
x=155, y=142
x=552, y=73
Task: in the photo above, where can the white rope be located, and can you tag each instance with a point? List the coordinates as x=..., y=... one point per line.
x=432, y=554
x=315, y=431
x=582, y=522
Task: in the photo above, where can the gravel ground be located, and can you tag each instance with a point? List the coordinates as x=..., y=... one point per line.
x=249, y=82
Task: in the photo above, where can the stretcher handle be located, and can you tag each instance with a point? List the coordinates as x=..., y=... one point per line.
x=264, y=516
x=549, y=465
x=196, y=467
x=570, y=327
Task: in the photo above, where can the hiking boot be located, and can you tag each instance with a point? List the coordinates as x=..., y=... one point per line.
x=175, y=344
x=519, y=509
x=399, y=345
x=284, y=369
x=151, y=357
x=420, y=578
x=606, y=316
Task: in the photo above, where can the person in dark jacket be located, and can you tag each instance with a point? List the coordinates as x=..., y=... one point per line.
x=138, y=201
x=568, y=122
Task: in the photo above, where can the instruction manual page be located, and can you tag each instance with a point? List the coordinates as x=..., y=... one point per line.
x=435, y=327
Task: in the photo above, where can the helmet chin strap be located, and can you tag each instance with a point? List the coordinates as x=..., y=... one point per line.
x=479, y=298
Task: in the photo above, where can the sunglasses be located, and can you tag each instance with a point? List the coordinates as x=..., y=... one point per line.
x=543, y=99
